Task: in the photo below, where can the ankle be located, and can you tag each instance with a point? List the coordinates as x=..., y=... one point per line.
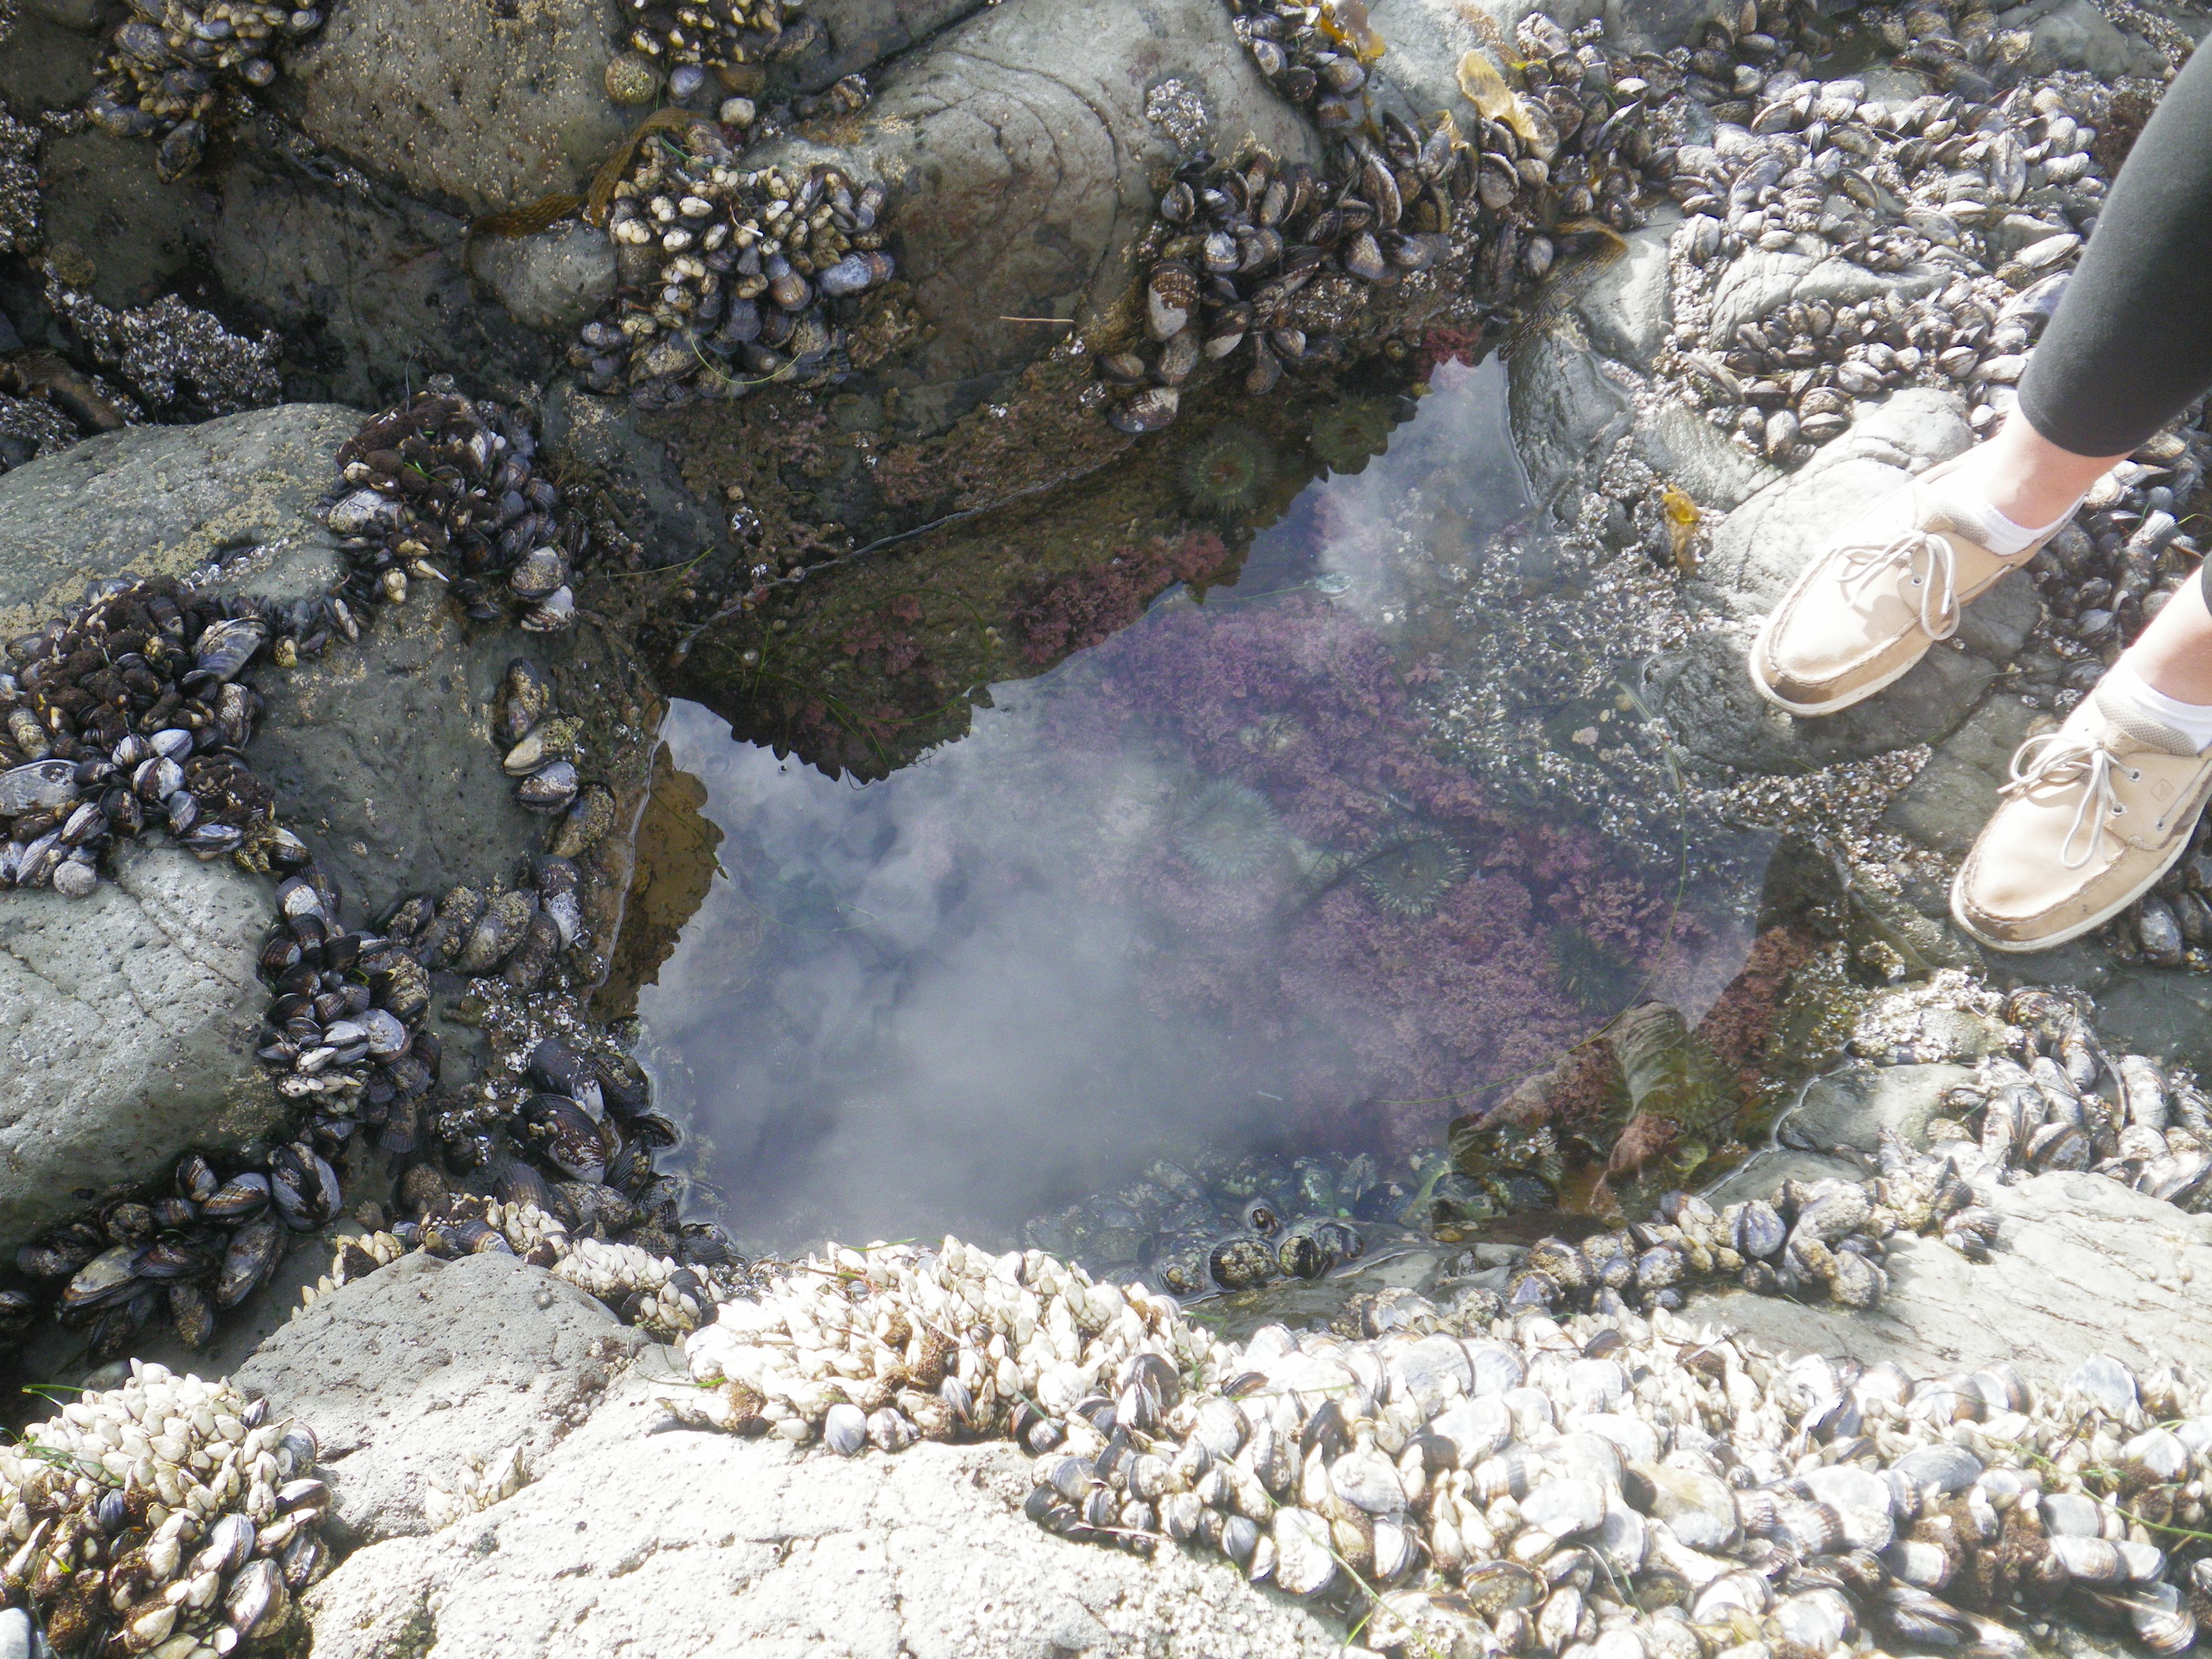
x=2031, y=503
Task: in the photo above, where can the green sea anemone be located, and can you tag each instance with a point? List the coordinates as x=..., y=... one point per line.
x=1227, y=473
x=1345, y=435
x=1410, y=878
x=1598, y=976
x=1227, y=831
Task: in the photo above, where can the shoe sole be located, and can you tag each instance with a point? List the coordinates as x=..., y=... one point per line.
x=2016, y=947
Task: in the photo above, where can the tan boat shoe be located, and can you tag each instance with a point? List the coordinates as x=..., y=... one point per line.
x=1868, y=607
x=2095, y=813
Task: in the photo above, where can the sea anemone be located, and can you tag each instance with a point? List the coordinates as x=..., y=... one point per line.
x=1227, y=473
x=1410, y=878
x=1227, y=831
x=1344, y=435
x=1600, y=977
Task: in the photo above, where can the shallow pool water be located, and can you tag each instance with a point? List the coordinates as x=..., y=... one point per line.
x=1210, y=884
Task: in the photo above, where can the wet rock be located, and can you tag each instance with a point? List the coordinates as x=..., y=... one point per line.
x=2073, y=35
x=1839, y=1116
x=1946, y=804
x=696, y=1543
x=1696, y=458
x=370, y=285
x=160, y=501
x=2082, y=1265
x=425, y=1363
x=1627, y=307
x=1759, y=282
x=1998, y=623
x=103, y=199
x=47, y=65
x=1022, y=168
x=458, y=102
x=1563, y=409
x=860, y=34
x=127, y=1020
x=555, y=281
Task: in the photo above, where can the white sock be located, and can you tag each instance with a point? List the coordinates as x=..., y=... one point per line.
x=1998, y=533
x=2123, y=686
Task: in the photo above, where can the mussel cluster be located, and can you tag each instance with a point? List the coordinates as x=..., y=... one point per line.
x=2101, y=579
x=718, y=34
x=175, y=70
x=167, y=1515
x=204, y=1244
x=541, y=747
x=733, y=279
x=1262, y=259
x=1455, y=1480
x=441, y=488
x=2073, y=1106
x=1964, y=206
x=1227, y=1222
x=128, y=715
x=1317, y=56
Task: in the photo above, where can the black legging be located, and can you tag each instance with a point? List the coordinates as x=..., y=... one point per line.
x=2130, y=345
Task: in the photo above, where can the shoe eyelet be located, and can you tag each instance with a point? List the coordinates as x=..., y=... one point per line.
x=2134, y=776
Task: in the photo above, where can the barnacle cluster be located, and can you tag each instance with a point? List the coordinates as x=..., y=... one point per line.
x=1465, y=1478
x=663, y=1298
x=174, y=70
x=174, y=357
x=441, y=488
x=733, y=279
x=166, y=1516
x=1256, y=263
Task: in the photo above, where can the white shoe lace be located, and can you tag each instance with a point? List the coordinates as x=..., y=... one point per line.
x=2059, y=758
x=1927, y=560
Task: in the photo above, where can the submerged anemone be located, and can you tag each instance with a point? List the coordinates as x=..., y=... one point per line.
x=1227, y=473
x=1345, y=435
x=1410, y=878
x=1598, y=977
x=1227, y=831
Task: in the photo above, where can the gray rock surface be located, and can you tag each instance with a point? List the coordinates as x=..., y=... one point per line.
x=104, y=200
x=372, y=284
x=126, y=1021
x=1946, y=804
x=1563, y=409
x=679, y=1543
x=2083, y=1265
x=555, y=280
x=1022, y=169
x=1626, y=308
x=858, y=34
x=2073, y=35
x=1835, y=1115
x=1696, y=456
x=382, y=757
x=456, y=103
x=162, y=500
x=408, y=1372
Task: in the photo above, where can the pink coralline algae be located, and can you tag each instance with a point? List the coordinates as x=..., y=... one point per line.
x=1072, y=613
x=1378, y=1010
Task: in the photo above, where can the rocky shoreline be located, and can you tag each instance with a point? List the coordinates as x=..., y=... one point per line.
x=328, y=734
